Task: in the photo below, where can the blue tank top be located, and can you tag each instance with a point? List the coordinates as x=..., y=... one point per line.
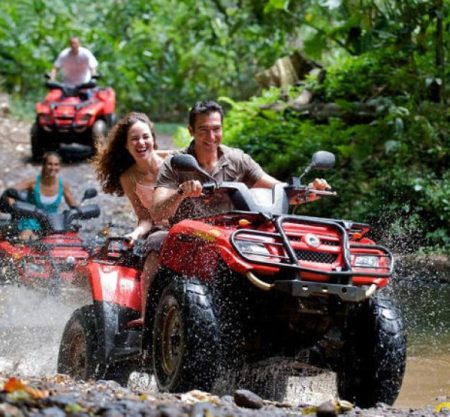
x=35, y=198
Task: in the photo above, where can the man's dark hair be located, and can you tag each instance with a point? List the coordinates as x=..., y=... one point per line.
x=204, y=107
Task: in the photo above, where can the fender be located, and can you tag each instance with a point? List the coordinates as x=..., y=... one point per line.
x=114, y=284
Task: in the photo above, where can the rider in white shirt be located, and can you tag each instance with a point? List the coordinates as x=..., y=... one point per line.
x=77, y=63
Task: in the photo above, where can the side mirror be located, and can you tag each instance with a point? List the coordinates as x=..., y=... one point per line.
x=89, y=193
x=320, y=160
x=187, y=163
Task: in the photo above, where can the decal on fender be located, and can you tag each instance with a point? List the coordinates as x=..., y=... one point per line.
x=209, y=236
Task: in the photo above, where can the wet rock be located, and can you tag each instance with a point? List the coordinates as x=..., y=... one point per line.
x=327, y=409
x=53, y=412
x=203, y=409
x=248, y=399
x=170, y=411
x=62, y=400
x=8, y=410
x=227, y=399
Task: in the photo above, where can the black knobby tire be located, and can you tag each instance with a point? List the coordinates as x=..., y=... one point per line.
x=37, y=147
x=79, y=345
x=186, y=339
x=374, y=354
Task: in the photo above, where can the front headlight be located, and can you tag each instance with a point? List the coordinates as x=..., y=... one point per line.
x=255, y=250
x=31, y=268
x=46, y=119
x=85, y=118
x=367, y=261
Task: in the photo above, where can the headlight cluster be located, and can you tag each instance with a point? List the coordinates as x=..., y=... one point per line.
x=367, y=261
x=255, y=250
x=85, y=118
x=46, y=119
x=32, y=268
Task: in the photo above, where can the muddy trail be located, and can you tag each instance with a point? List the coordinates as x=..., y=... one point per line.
x=32, y=321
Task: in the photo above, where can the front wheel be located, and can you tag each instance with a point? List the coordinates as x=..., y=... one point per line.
x=374, y=354
x=185, y=338
x=77, y=352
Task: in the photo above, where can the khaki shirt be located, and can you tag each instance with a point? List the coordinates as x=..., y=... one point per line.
x=233, y=165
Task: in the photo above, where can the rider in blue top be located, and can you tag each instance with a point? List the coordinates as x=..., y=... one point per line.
x=46, y=192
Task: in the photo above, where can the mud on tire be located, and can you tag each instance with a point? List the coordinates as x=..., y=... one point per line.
x=185, y=338
x=374, y=354
x=78, y=347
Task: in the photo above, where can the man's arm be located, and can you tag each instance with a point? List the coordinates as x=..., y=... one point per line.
x=167, y=200
x=266, y=181
x=92, y=62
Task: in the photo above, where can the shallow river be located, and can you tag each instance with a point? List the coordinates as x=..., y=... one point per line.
x=31, y=325
x=426, y=309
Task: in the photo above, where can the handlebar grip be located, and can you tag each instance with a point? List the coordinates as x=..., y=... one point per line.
x=323, y=192
x=209, y=188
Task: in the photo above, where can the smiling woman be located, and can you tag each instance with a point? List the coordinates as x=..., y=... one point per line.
x=46, y=192
x=129, y=165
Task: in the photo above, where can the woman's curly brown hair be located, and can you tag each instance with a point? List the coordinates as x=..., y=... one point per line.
x=113, y=159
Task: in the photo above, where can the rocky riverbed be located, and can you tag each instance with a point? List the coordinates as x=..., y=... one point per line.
x=31, y=325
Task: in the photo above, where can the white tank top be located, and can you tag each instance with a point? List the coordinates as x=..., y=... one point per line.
x=50, y=199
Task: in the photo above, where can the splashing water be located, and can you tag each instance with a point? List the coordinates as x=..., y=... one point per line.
x=31, y=325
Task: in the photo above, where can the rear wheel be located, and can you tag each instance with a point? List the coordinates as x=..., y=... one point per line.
x=185, y=338
x=77, y=353
x=37, y=147
x=374, y=354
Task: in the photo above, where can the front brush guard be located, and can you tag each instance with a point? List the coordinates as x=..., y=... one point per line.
x=298, y=287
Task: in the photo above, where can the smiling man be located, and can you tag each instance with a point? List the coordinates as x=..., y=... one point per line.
x=176, y=195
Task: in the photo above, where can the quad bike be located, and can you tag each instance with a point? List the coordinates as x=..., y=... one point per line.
x=241, y=287
x=80, y=114
x=51, y=261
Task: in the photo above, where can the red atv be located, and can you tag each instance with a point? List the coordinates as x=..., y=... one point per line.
x=240, y=287
x=70, y=114
x=52, y=260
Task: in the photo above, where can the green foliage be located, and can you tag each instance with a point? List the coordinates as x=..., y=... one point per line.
x=160, y=56
x=392, y=172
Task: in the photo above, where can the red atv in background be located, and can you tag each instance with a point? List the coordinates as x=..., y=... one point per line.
x=241, y=287
x=52, y=260
x=70, y=114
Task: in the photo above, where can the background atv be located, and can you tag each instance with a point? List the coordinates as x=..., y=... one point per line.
x=53, y=259
x=69, y=114
x=241, y=287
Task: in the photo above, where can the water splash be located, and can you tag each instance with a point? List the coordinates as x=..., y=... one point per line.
x=31, y=325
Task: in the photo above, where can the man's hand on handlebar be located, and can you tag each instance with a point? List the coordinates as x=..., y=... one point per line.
x=191, y=188
x=312, y=192
x=319, y=184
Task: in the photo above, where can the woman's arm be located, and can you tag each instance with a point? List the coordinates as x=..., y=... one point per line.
x=144, y=219
x=27, y=184
x=68, y=196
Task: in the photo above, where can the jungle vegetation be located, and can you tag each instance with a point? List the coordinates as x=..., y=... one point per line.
x=388, y=57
